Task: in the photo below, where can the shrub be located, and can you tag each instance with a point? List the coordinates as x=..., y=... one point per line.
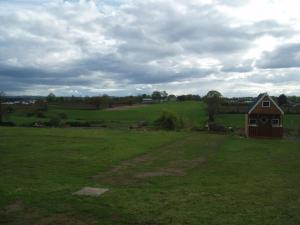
x=55, y=121
x=169, y=121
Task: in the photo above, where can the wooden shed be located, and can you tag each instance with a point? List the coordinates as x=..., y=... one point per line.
x=264, y=119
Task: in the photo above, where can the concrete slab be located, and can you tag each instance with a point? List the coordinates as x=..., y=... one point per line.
x=91, y=191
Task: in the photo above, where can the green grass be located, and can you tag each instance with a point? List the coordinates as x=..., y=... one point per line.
x=207, y=179
x=192, y=112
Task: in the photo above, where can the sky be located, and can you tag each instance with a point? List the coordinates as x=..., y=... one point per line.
x=129, y=47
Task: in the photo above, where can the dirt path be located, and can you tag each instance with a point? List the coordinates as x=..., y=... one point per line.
x=120, y=108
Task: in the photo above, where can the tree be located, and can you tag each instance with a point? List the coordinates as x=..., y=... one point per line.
x=156, y=95
x=51, y=97
x=213, y=101
x=96, y=101
x=164, y=94
x=171, y=97
x=104, y=101
x=2, y=94
x=282, y=100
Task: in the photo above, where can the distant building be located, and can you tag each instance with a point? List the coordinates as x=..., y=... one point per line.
x=27, y=102
x=264, y=119
x=147, y=100
x=172, y=98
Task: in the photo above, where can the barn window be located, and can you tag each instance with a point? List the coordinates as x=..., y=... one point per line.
x=252, y=122
x=266, y=104
x=275, y=122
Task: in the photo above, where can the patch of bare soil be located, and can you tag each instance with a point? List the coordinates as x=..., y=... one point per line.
x=60, y=219
x=153, y=174
x=126, y=164
x=174, y=168
x=14, y=207
x=121, y=174
x=120, y=108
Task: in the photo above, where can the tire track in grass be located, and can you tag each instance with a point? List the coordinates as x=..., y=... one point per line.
x=169, y=159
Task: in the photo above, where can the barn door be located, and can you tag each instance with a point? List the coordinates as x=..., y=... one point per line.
x=265, y=126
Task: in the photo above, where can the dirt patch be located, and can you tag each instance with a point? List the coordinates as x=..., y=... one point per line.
x=122, y=173
x=126, y=164
x=90, y=191
x=186, y=164
x=120, y=108
x=61, y=219
x=153, y=174
x=174, y=168
x=14, y=207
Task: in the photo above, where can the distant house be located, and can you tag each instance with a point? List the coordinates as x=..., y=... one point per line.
x=264, y=119
x=148, y=101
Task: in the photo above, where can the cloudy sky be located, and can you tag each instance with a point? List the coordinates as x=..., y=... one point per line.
x=122, y=47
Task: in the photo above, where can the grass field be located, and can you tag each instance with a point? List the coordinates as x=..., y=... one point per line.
x=192, y=112
x=153, y=177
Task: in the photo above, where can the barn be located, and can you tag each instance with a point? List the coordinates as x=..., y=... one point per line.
x=264, y=118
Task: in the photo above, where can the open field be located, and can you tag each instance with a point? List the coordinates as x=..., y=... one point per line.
x=153, y=177
x=191, y=111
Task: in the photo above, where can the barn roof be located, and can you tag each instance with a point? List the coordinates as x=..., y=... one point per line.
x=259, y=98
x=256, y=100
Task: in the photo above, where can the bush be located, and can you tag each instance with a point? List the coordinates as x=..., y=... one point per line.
x=55, y=122
x=169, y=121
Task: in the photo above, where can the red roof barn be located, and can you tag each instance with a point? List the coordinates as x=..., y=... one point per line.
x=264, y=119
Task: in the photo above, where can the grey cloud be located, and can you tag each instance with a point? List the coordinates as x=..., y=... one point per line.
x=241, y=67
x=286, y=56
x=234, y=3
x=124, y=43
x=276, y=77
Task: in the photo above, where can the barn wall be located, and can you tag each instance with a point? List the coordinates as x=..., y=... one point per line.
x=274, y=132
x=246, y=125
